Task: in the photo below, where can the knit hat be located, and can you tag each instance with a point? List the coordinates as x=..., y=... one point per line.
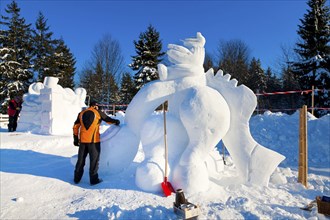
x=93, y=103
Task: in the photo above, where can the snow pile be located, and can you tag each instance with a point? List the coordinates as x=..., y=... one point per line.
x=287, y=136
x=50, y=109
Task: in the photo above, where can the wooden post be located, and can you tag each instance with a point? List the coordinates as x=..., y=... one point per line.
x=303, y=163
x=312, y=100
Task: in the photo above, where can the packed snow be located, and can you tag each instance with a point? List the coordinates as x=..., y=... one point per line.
x=37, y=179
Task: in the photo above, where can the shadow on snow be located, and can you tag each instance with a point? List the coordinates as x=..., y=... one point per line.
x=58, y=167
x=115, y=212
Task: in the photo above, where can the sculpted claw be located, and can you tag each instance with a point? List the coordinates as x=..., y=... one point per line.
x=234, y=82
x=227, y=77
x=219, y=73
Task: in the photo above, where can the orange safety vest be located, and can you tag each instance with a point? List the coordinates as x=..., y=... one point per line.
x=92, y=133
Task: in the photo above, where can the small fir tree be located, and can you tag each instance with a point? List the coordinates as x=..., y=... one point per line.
x=114, y=94
x=91, y=80
x=127, y=90
x=256, y=79
x=273, y=84
x=148, y=49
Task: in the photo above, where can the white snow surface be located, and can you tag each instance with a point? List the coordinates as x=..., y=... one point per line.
x=36, y=177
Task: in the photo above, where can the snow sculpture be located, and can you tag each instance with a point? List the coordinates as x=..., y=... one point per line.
x=203, y=109
x=50, y=109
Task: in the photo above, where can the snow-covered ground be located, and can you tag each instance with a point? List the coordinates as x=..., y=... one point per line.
x=37, y=180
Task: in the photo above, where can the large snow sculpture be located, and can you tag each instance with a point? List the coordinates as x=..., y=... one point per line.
x=48, y=108
x=203, y=109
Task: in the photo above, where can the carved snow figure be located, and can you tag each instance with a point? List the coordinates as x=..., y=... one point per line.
x=202, y=110
x=48, y=108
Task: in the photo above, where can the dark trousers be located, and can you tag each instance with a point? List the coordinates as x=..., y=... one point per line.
x=93, y=149
x=12, y=125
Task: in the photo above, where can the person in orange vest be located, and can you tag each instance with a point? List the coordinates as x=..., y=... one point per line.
x=86, y=135
x=14, y=108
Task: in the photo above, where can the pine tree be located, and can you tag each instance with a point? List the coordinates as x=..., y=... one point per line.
x=127, y=90
x=114, y=96
x=43, y=47
x=15, y=54
x=86, y=76
x=273, y=84
x=64, y=64
x=91, y=80
x=313, y=67
x=148, y=49
x=256, y=79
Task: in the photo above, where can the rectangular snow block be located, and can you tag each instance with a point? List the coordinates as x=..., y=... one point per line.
x=45, y=94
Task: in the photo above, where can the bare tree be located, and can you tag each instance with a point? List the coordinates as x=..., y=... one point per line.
x=108, y=61
x=208, y=63
x=290, y=80
x=233, y=58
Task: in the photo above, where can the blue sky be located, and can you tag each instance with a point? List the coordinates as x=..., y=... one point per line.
x=264, y=25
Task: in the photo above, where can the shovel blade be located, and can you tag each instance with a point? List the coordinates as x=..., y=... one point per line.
x=167, y=188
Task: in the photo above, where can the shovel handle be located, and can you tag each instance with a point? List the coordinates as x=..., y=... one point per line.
x=165, y=141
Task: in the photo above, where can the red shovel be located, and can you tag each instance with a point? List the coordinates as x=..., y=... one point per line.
x=166, y=186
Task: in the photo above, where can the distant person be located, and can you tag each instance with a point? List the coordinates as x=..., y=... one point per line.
x=86, y=127
x=14, y=108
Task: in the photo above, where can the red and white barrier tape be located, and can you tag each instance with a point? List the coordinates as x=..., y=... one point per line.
x=291, y=109
x=291, y=92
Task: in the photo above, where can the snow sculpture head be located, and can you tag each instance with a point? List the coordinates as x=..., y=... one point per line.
x=187, y=61
x=203, y=109
x=50, y=109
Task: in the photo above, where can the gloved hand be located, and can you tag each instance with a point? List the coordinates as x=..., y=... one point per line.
x=75, y=140
x=117, y=122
